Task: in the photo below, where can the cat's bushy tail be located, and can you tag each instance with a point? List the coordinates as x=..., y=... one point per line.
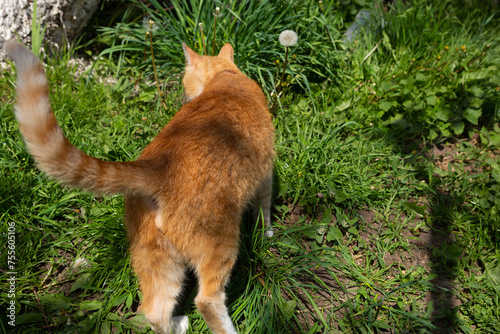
x=53, y=153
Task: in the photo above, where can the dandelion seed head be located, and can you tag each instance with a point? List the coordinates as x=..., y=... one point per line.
x=217, y=12
x=288, y=38
x=149, y=24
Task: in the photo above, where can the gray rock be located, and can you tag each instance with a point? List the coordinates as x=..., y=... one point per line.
x=63, y=19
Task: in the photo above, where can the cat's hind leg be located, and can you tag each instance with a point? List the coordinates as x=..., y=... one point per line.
x=155, y=261
x=161, y=278
x=213, y=273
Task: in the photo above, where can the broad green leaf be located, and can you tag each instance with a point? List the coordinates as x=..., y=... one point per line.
x=408, y=104
x=419, y=105
x=472, y=115
x=139, y=320
x=443, y=89
x=113, y=317
x=458, y=127
x=90, y=305
x=340, y=196
x=442, y=115
x=420, y=77
x=353, y=230
x=343, y=105
x=105, y=328
x=130, y=300
x=431, y=100
x=381, y=324
x=333, y=234
x=496, y=175
x=385, y=105
x=408, y=81
x=493, y=275
x=288, y=309
x=327, y=217
x=477, y=91
x=53, y=302
x=28, y=318
x=118, y=300
x=476, y=102
x=385, y=87
x=80, y=282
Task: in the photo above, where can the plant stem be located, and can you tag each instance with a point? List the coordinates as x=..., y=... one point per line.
x=280, y=83
x=212, y=52
x=284, y=66
x=154, y=66
x=203, y=42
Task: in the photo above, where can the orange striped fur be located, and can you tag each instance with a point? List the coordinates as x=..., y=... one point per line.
x=186, y=192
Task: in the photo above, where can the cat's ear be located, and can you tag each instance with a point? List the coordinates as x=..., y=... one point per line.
x=227, y=52
x=189, y=55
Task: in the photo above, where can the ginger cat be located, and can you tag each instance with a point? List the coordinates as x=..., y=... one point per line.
x=186, y=192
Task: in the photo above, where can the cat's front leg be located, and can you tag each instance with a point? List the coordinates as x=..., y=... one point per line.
x=262, y=205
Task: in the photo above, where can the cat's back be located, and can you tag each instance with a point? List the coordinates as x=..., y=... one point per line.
x=234, y=103
x=223, y=140
x=229, y=119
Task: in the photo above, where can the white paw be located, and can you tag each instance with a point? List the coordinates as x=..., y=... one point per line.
x=269, y=233
x=180, y=324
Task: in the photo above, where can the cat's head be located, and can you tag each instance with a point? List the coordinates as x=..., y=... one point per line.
x=201, y=69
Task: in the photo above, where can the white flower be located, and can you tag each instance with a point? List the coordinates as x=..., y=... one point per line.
x=288, y=38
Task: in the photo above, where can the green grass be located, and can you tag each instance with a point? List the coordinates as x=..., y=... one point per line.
x=386, y=208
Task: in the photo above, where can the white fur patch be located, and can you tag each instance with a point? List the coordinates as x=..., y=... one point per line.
x=160, y=310
x=180, y=324
x=227, y=324
x=159, y=221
